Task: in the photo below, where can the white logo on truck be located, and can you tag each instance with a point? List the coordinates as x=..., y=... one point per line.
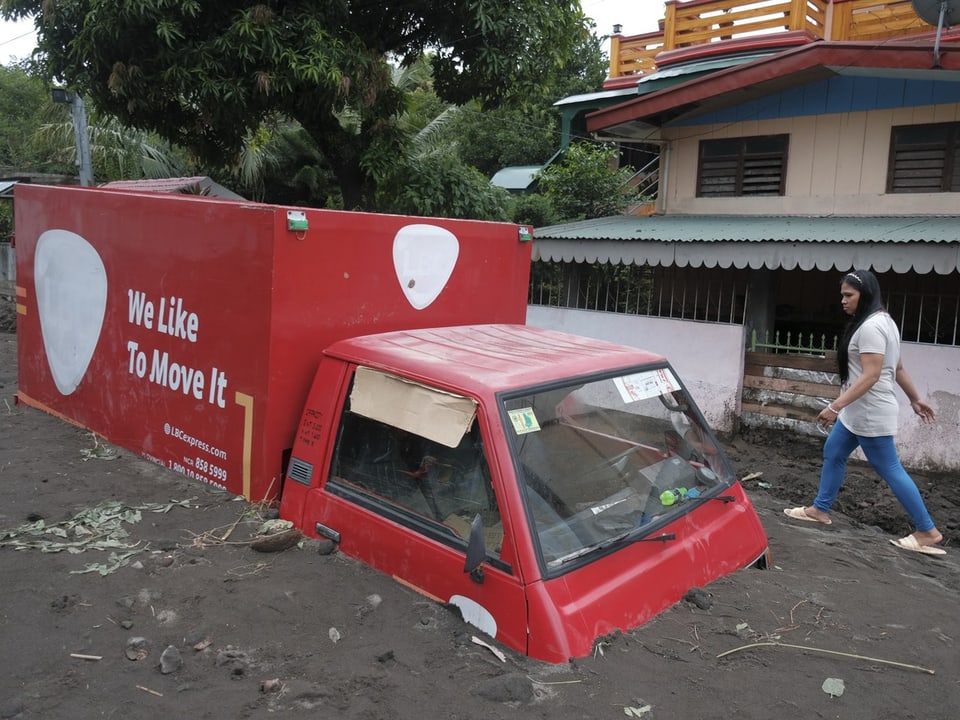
x=71, y=286
x=424, y=257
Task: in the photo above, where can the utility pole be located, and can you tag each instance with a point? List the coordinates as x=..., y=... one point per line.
x=81, y=137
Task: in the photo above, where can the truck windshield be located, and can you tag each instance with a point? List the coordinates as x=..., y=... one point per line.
x=610, y=460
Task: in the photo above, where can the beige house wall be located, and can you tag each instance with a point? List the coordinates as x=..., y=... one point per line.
x=837, y=165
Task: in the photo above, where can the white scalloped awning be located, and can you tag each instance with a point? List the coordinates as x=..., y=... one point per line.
x=921, y=244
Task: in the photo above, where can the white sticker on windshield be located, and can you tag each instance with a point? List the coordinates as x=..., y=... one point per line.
x=524, y=420
x=648, y=384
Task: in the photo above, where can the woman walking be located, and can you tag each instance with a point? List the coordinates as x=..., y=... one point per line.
x=865, y=414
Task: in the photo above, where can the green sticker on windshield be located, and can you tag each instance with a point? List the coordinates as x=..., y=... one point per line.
x=524, y=420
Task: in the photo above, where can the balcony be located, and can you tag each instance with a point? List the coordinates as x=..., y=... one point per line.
x=690, y=23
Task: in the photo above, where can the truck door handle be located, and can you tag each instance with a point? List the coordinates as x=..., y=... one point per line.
x=328, y=533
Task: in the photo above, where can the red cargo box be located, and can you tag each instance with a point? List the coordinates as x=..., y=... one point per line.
x=188, y=329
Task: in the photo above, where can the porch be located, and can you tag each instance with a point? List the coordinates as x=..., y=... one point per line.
x=689, y=23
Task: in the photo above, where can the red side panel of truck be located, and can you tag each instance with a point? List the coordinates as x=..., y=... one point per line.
x=188, y=329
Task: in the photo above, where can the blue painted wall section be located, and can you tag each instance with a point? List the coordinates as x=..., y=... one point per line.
x=835, y=95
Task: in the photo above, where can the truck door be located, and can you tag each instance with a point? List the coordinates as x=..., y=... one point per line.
x=409, y=473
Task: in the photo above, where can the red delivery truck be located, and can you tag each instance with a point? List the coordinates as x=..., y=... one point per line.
x=372, y=375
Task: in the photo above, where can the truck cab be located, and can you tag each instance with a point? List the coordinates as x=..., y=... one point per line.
x=553, y=488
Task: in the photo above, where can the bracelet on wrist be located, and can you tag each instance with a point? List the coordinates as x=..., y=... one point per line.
x=832, y=409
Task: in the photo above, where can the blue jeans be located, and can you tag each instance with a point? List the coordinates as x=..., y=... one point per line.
x=882, y=454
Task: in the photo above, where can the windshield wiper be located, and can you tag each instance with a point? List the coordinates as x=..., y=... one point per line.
x=702, y=498
x=624, y=538
x=662, y=537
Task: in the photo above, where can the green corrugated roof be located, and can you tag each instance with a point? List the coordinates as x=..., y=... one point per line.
x=518, y=177
x=921, y=244
x=754, y=228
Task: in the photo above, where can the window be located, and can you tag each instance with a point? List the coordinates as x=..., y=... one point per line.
x=707, y=294
x=924, y=158
x=433, y=487
x=607, y=462
x=743, y=167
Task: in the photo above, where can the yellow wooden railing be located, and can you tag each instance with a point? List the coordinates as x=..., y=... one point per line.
x=872, y=20
x=696, y=22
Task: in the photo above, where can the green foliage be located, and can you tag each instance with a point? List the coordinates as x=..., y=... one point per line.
x=585, y=184
x=207, y=75
x=525, y=128
x=519, y=45
x=6, y=220
x=534, y=209
x=504, y=137
x=22, y=99
x=297, y=173
x=116, y=152
x=582, y=70
x=441, y=186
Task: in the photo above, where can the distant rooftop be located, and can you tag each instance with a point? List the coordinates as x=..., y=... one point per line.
x=196, y=185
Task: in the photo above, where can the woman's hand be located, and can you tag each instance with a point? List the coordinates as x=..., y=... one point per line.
x=827, y=417
x=922, y=409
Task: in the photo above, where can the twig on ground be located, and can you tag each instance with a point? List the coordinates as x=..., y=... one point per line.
x=232, y=528
x=210, y=537
x=264, y=504
x=829, y=652
x=792, y=621
x=148, y=690
x=694, y=647
x=553, y=682
x=242, y=571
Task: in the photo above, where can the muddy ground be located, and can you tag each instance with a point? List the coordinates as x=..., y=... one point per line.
x=178, y=616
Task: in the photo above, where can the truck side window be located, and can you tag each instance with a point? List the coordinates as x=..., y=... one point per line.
x=409, y=476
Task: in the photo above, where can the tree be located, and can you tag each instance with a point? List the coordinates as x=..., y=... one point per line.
x=586, y=183
x=431, y=177
x=525, y=128
x=117, y=152
x=503, y=137
x=22, y=99
x=205, y=75
x=533, y=209
x=426, y=178
x=442, y=186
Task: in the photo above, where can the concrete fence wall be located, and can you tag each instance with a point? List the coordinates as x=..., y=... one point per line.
x=707, y=356
x=713, y=364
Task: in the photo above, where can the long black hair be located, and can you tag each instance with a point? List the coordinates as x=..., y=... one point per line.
x=870, y=301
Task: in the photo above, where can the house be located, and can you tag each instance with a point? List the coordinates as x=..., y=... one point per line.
x=796, y=141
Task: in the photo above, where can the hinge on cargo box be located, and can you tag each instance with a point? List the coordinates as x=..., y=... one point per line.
x=297, y=220
x=300, y=471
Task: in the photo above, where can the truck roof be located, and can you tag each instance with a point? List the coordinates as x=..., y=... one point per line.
x=489, y=357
